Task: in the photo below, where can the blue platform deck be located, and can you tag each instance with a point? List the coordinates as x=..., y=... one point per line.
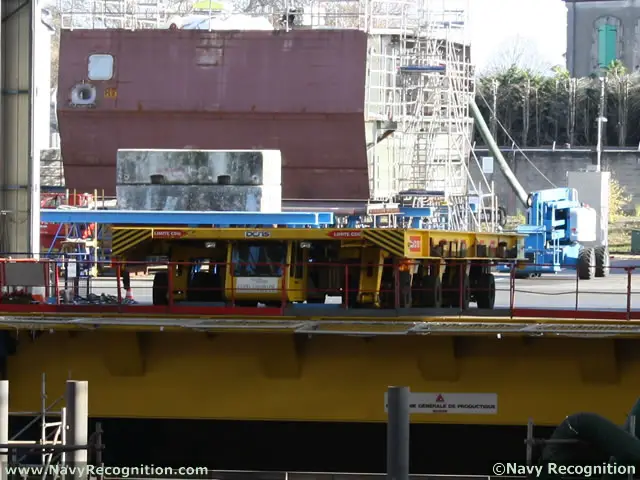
x=148, y=217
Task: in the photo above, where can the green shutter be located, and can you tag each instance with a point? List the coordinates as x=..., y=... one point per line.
x=607, y=45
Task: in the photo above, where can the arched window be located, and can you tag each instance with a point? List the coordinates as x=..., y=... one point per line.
x=607, y=41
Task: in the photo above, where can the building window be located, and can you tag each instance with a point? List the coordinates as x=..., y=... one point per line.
x=607, y=45
x=100, y=67
x=607, y=41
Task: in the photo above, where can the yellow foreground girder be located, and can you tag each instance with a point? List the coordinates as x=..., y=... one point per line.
x=252, y=376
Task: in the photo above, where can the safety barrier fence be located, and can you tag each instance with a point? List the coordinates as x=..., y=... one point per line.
x=258, y=289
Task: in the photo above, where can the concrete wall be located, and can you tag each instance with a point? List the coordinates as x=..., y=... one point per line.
x=624, y=165
x=582, y=16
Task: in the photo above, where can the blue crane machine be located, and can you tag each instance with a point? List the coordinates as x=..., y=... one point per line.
x=561, y=232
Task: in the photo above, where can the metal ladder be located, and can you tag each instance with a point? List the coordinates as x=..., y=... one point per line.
x=52, y=432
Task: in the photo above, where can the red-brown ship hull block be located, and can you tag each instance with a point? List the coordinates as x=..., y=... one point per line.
x=301, y=92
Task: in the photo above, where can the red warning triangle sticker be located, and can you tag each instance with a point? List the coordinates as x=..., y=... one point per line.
x=440, y=398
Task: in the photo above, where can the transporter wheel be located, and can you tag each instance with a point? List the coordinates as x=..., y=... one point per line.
x=603, y=262
x=486, y=291
x=586, y=264
x=455, y=298
x=197, y=287
x=432, y=294
x=160, y=288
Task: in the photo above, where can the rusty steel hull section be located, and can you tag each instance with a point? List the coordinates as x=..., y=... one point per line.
x=301, y=92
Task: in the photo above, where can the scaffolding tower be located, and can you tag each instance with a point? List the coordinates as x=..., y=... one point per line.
x=100, y=14
x=63, y=442
x=419, y=86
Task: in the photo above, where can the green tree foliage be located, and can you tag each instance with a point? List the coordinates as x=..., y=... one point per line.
x=537, y=110
x=619, y=200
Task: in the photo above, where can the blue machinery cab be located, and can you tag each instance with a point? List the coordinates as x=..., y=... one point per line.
x=561, y=234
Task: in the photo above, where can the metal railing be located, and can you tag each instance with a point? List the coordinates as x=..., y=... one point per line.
x=60, y=197
x=310, y=288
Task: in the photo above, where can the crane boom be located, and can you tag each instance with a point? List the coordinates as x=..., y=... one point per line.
x=521, y=193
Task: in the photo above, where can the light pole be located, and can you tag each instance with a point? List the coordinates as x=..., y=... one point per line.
x=601, y=120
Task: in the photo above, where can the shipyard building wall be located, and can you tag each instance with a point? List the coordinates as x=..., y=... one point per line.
x=623, y=164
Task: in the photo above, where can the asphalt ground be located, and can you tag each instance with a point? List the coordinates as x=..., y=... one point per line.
x=559, y=291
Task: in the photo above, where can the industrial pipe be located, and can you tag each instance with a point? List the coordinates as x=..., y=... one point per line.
x=485, y=133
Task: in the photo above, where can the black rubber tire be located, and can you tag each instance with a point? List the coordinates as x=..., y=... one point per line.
x=455, y=292
x=197, y=287
x=486, y=291
x=432, y=292
x=448, y=288
x=603, y=262
x=586, y=264
x=160, y=288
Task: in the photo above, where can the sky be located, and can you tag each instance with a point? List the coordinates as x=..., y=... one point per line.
x=538, y=24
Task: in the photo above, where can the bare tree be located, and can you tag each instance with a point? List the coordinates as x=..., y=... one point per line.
x=518, y=52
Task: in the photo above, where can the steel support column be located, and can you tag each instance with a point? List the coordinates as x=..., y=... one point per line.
x=77, y=414
x=398, y=424
x=19, y=174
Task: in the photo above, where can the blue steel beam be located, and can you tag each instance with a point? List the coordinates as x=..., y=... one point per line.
x=149, y=217
x=423, y=68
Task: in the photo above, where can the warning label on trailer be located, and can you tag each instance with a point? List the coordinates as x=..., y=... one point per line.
x=345, y=234
x=452, y=403
x=169, y=233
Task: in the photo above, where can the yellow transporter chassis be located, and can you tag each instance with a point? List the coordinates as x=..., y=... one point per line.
x=397, y=242
x=292, y=369
x=442, y=260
